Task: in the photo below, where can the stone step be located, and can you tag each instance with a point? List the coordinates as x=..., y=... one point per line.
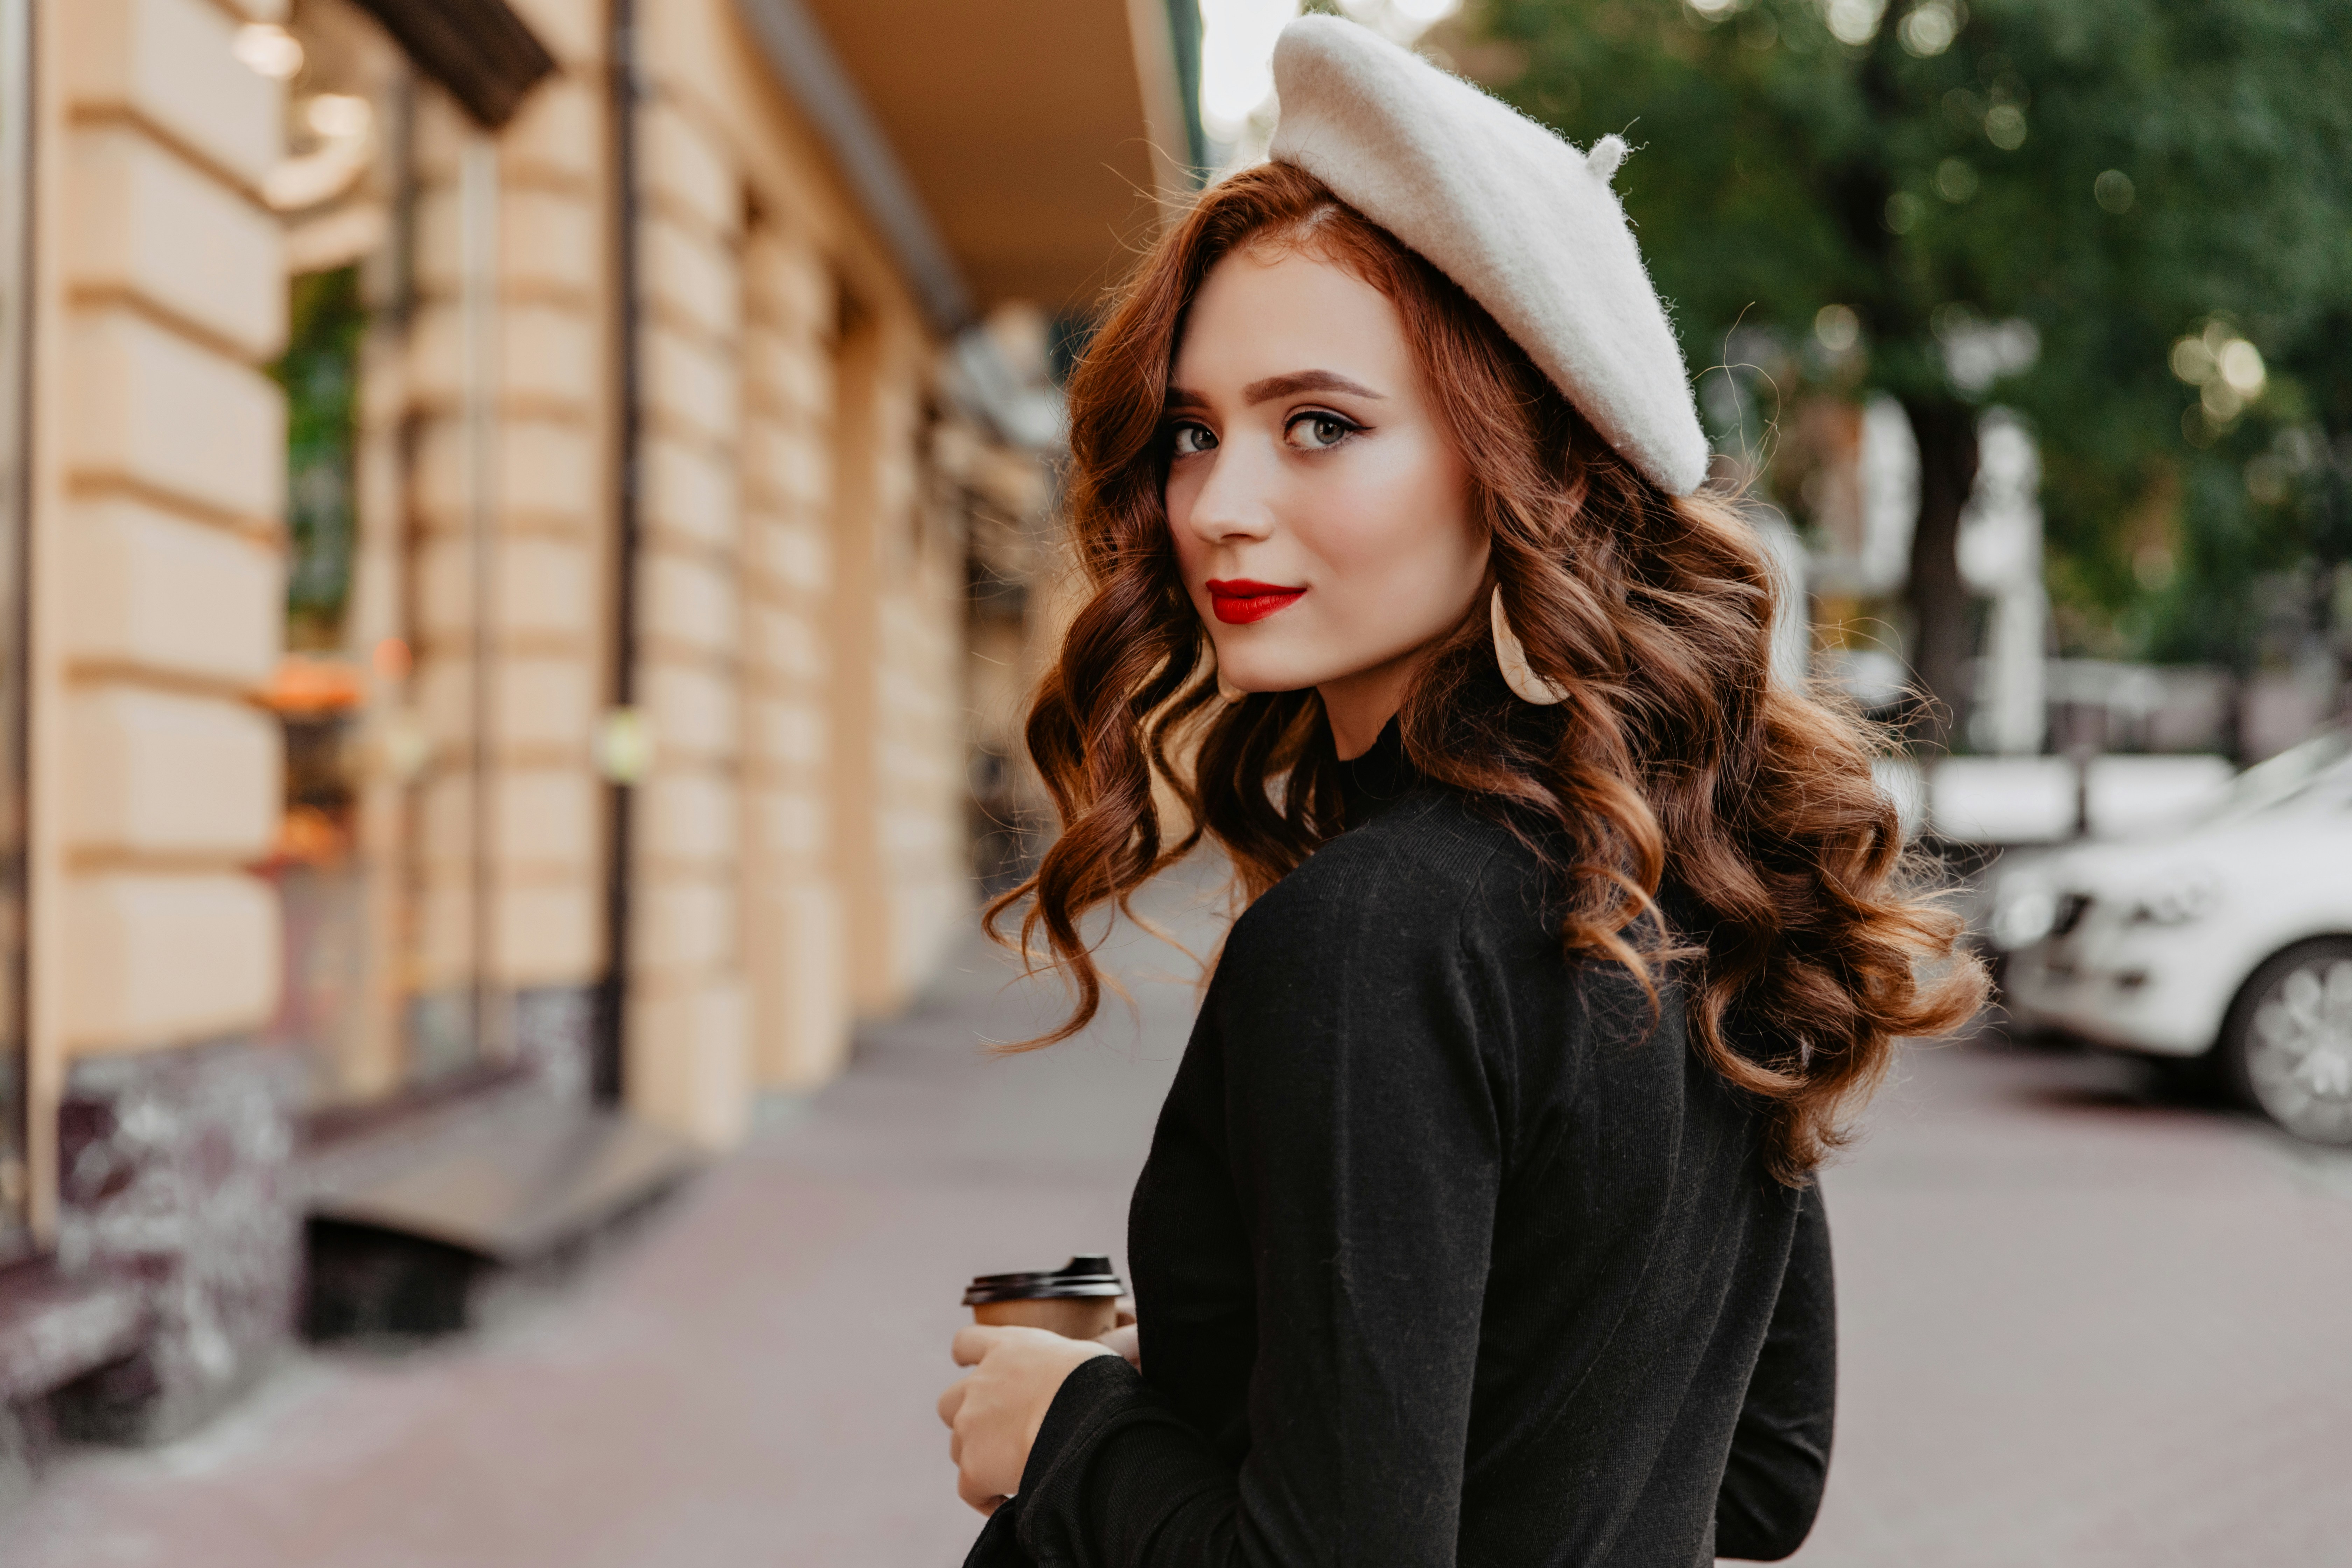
x=513, y=1187
x=54, y=1328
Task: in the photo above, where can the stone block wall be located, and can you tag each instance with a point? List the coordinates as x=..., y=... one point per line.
x=899, y=707
x=923, y=707
x=177, y=1168
x=158, y=492
x=509, y=438
x=794, y=952
x=689, y=1061
x=800, y=839
x=173, y=447
x=804, y=834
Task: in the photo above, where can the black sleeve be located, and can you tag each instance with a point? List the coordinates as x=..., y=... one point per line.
x=1365, y=1149
x=1781, y=1449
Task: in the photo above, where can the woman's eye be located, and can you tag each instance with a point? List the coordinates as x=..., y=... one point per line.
x=1194, y=438
x=1320, y=432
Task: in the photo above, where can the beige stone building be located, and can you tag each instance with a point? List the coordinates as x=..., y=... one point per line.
x=524, y=521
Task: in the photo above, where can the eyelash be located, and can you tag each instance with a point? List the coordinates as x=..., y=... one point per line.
x=1318, y=415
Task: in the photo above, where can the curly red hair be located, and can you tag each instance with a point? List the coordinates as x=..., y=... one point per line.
x=1805, y=945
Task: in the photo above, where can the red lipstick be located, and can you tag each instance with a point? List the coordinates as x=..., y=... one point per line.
x=1240, y=600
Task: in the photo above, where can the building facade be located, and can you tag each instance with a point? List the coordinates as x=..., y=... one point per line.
x=528, y=521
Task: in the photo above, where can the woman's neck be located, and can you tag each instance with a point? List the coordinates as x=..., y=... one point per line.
x=1359, y=707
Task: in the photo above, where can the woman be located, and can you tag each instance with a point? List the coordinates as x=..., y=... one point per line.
x=1478, y=1226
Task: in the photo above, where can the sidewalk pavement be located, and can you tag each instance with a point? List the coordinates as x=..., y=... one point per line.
x=749, y=1381
x=2079, y=1329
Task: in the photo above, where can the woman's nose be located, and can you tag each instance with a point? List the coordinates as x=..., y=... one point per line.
x=1236, y=502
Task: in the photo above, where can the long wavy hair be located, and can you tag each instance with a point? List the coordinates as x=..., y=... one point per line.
x=1803, y=945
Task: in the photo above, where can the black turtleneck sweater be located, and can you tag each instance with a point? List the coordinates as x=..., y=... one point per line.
x=1445, y=1253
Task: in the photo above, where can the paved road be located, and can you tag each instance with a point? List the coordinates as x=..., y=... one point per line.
x=2081, y=1330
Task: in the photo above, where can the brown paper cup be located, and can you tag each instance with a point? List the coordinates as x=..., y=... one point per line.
x=1072, y=1317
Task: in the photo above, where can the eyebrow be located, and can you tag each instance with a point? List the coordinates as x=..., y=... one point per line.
x=1274, y=386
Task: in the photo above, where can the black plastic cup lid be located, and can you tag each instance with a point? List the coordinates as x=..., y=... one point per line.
x=1088, y=1275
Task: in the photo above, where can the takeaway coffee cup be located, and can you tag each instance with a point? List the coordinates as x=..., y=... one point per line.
x=1078, y=1301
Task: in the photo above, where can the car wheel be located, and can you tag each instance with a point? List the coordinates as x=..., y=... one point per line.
x=2287, y=1046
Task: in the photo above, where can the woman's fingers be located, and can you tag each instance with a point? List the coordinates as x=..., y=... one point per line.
x=983, y=1474
x=994, y=1412
x=986, y=1501
x=974, y=1341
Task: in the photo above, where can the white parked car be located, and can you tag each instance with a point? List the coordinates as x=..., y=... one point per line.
x=2231, y=935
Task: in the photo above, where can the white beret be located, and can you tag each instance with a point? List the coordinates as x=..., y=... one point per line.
x=1523, y=222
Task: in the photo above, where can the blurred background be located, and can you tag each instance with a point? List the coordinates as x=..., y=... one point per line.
x=525, y=529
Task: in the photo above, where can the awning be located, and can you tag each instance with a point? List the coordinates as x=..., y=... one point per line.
x=1037, y=137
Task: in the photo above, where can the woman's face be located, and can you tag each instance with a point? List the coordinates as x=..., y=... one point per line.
x=1320, y=511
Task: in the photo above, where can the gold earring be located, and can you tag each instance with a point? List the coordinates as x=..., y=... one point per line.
x=1517, y=673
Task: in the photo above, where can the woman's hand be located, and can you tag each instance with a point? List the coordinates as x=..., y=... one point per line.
x=994, y=1413
x=1126, y=1339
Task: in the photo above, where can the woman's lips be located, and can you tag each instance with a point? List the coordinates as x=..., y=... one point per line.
x=1241, y=601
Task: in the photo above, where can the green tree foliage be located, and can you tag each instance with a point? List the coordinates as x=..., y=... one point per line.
x=320, y=371
x=2118, y=174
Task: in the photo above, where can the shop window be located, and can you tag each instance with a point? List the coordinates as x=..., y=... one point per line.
x=320, y=375
x=378, y=861
x=319, y=692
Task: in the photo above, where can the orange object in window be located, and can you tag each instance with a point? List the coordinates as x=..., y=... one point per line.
x=304, y=684
x=309, y=836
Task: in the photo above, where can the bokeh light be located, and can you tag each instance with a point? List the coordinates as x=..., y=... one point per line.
x=1930, y=29
x=1855, y=22
x=1237, y=58
x=268, y=48
x=1837, y=327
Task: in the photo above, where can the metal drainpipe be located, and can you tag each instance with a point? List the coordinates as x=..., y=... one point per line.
x=621, y=744
x=26, y=1147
